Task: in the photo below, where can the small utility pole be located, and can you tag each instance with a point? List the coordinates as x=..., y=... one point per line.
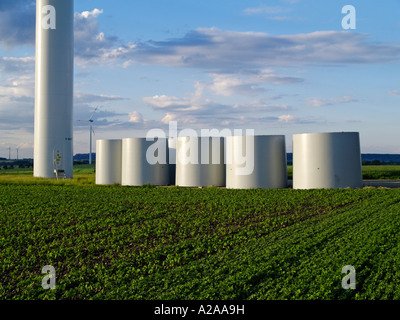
x=9, y=153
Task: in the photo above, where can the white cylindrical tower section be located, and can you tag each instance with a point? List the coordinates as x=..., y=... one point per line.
x=53, y=138
x=108, y=162
x=172, y=160
x=256, y=162
x=145, y=162
x=327, y=160
x=200, y=162
x=213, y=161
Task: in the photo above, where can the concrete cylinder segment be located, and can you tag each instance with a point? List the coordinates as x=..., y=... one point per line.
x=200, y=162
x=108, y=162
x=256, y=162
x=320, y=160
x=327, y=160
x=145, y=162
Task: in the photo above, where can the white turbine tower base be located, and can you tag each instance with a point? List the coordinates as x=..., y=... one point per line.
x=54, y=88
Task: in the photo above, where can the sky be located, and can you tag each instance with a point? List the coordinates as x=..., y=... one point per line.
x=279, y=67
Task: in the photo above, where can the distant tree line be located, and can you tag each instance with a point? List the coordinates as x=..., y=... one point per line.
x=367, y=159
x=20, y=166
x=12, y=164
x=379, y=163
x=79, y=159
x=366, y=163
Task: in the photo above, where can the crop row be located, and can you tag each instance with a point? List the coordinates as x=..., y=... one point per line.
x=177, y=243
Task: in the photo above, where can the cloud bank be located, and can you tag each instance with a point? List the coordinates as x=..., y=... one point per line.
x=206, y=48
x=17, y=22
x=223, y=50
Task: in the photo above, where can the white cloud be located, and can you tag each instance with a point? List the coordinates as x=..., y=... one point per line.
x=91, y=14
x=318, y=102
x=22, y=87
x=231, y=50
x=21, y=138
x=234, y=84
x=394, y=92
x=258, y=106
x=85, y=104
x=135, y=117
x=164, y=101
x=271, y=13
x=17, y=91
x=264, y=10
x=223, y=50
x=88, y=98
x=228, y=51
x=280, y=18
x=24, y=145
x=287, y=118
x=209, y=48
x=198, y=111
x=17, y=23
x=17, y=66
x=92, y=46
x=172, y=117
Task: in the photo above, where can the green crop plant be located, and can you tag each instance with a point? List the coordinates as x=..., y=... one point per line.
x=110, y=242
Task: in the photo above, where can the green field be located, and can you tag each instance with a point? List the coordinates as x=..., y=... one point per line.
x=85, y=175
x=372, y=172
x=112, y=242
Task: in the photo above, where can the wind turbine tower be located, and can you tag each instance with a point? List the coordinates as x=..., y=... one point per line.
x=53, y=138
x=91, y=131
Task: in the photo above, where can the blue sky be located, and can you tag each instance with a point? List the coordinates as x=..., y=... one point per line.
x=279, y=67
